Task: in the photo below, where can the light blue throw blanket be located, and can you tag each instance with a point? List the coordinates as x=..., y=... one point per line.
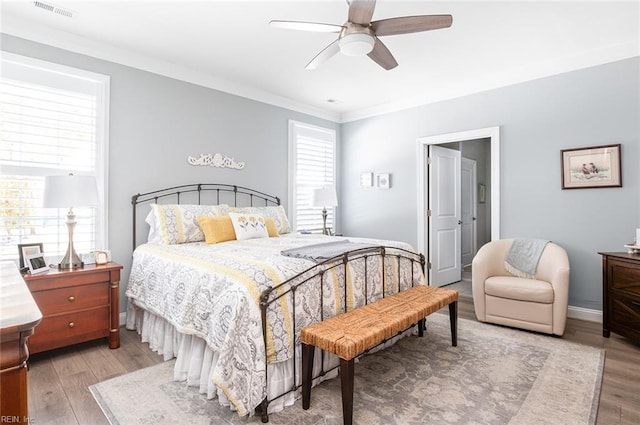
x=323, y=251
x=523, y=257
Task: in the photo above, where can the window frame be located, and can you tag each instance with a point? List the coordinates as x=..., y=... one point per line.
x=300, y=129
x=102, y=93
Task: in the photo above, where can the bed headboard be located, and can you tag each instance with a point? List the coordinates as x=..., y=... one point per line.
x=201, y=194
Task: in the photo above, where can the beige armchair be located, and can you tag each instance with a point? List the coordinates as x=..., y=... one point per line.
x=538, y=304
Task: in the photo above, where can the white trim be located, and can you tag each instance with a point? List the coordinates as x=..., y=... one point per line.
x=423, y=146
x=586, y=314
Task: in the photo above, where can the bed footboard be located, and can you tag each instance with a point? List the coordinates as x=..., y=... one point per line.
x=376, y=271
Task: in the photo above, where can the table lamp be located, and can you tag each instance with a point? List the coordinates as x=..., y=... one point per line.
x=68, y=192
x=324, y=197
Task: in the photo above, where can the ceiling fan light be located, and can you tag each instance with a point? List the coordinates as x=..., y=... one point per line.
x=356, y=44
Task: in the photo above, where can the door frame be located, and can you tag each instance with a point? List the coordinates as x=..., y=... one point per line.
x=493, y=133
x=474, y=208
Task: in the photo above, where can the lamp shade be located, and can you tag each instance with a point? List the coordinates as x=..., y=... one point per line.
x=324, y=197
x=70, y=191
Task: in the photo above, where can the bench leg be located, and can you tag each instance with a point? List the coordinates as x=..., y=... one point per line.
x=421, y=327
x=346, y=382
x=453, y=319
x=307, y=374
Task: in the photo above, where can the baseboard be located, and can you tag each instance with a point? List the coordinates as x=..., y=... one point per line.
x=580, y=313
x=586, y=314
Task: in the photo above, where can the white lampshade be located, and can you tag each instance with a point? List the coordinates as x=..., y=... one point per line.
x=324, y=197
x=70, y=191
x=356, y=44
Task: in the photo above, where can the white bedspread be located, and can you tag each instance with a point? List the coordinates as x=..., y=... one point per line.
x=213, y=292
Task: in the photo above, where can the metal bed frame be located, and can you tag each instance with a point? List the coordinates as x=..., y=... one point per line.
x=242, y=196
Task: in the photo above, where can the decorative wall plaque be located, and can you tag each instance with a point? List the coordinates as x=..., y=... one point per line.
x=215, y=160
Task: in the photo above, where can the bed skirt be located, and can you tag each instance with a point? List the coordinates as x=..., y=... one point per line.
x=196, y=361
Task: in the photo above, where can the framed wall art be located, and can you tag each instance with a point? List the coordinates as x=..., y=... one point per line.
x=383, y=180
x=591, y=167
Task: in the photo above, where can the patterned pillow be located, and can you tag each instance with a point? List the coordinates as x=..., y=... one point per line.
x=249, y=226
x=173, y=224
x=277, y=213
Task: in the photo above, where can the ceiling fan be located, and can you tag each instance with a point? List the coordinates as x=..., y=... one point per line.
x=359, y=36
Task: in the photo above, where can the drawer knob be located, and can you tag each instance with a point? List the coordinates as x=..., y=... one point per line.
x=72, y=298
x=71, y=324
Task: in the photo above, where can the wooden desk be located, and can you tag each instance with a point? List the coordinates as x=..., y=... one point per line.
x=19, y=315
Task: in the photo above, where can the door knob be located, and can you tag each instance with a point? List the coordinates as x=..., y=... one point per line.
x=459, y=221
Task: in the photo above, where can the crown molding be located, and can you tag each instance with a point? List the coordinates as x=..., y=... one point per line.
x=63, y=40
x=545, y=69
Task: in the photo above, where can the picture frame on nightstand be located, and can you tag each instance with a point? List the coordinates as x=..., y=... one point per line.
x=36, y=263
x=25, y=249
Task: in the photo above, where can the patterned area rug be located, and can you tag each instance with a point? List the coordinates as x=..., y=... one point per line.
x=494, y=376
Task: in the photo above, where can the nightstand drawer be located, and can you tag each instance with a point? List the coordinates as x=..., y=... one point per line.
x=71, y=328
x=72, y=298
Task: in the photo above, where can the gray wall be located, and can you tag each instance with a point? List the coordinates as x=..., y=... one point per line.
x=593, y=106
x=156, y=122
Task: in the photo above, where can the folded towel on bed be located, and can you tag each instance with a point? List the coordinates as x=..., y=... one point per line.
x=523, y=257
x=323, y=251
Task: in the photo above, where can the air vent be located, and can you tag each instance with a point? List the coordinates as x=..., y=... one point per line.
x=54, y=9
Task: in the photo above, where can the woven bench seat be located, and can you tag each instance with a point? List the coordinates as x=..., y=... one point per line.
x=352, y=333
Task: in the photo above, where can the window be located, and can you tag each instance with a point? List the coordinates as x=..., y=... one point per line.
x=52, y=122
x=312, y=165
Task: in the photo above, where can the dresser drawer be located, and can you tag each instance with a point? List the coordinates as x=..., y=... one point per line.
x=70, y=328
x=71, y=299
x=625, y=311
x=624, y=276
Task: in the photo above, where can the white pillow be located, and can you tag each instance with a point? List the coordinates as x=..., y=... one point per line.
x=249, y=226
x=277, y=213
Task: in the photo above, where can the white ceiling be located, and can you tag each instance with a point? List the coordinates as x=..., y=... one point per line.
x=228, y=45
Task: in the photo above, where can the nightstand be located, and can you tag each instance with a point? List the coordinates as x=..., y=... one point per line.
x=77, y=305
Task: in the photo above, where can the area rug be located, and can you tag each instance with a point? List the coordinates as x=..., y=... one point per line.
x=494, y=376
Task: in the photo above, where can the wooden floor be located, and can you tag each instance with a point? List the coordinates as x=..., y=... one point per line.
x=59, y=379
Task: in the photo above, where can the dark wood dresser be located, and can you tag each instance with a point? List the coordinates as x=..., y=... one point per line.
x=77, y=305
x=621, y=294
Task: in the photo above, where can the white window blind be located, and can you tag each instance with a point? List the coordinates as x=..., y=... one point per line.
x=312, y=159
x=52, y=122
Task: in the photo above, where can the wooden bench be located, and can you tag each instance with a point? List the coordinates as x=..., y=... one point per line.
x=352, y=333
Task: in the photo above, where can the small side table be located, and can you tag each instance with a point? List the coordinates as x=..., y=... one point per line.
x=77, y=305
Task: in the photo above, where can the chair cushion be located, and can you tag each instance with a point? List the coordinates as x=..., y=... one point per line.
x=516, y=288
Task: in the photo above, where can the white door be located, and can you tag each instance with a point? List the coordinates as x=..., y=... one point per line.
x=469, y=211
x=445, y=216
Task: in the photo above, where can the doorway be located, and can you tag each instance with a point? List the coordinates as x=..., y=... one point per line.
x=427, y=240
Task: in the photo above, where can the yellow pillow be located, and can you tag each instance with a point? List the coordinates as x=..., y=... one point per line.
x=272, y=229
x=217, y=229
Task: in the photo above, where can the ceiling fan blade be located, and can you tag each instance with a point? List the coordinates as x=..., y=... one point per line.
x=361, y=11
x=306, y=26
x=409, y=24
x=324, y=55
x=382, y=56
